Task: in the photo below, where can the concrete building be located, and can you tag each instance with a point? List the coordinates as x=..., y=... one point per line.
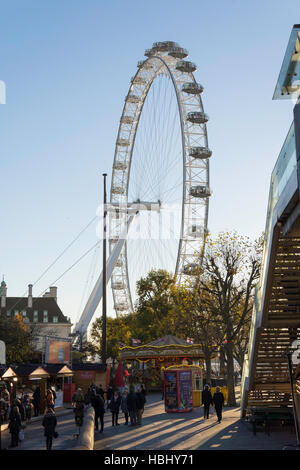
x=41, y=315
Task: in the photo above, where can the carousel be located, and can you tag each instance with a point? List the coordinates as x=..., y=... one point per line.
x=146, y=364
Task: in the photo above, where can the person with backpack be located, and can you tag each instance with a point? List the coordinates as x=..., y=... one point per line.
x=14, y=425
x=49, y=422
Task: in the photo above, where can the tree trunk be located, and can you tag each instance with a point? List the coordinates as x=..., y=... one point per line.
x=230, y=374
x=222, y=363
x=207, y=355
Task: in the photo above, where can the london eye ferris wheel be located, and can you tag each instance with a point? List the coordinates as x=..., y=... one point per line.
x=161, y=160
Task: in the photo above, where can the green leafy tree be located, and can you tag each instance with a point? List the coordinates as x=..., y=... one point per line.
x=18, y=341
x=228, y=274
x=117, y=331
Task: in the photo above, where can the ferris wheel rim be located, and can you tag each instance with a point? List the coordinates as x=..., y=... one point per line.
x=126, y=288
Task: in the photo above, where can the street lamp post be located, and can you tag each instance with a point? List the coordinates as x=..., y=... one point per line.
x=103, y=345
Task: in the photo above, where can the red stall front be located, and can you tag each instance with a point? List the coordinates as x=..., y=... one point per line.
x=178, y=390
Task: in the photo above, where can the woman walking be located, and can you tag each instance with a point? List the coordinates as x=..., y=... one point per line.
x=50, y=399
x=49, y=423
x=114, y=408
x=14, y=425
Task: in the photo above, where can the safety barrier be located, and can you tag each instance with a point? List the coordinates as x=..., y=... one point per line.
x=86, y=436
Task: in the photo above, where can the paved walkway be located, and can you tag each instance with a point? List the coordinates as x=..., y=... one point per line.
x=187, y=431
x=34, y=434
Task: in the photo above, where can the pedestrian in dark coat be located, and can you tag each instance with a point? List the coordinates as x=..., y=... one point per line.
x=206, y=400
x=100, y=391
x=36, y=400
x=218, y=400
x=14, y=425
x=109, y=394
x=49, y=423
x=124, y=407
x=98, y=405
x=140, y=403
x=21, y=408
x=114, y=406
x=131, y=405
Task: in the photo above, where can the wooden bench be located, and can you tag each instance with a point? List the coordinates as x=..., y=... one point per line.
x=266, y=416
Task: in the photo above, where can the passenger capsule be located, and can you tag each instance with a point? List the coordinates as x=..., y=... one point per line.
x=190, y=269
x=199, y=191
x=164, y=46
x=178, y=52
x=200, y=152
x=197, y=117
x=186, y=66
x=192, y=88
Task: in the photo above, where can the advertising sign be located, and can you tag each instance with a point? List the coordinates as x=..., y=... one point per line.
x=58, y=351
x=185, y=390
x=171, y=400
x=87, y=375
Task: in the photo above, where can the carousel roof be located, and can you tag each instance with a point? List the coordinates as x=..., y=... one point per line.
x=167, y=340
x=168, y=346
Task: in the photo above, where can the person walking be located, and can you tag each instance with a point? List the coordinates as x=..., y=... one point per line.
x=206, y=400
x=101, y=392
x=218, y=400
x=36, y=400
x=49, y=422
x=124, y=407
x=131, y=405
x=114, y=406
x=49, y=399
x=27, y=406
x=98, y=405
x=140, y=403
x=14, y=425
x=109, y=394
x=78, y=404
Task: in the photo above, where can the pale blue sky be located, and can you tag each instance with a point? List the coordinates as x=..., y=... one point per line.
x=67, y=66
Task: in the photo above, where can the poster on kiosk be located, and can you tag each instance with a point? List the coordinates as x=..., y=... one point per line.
x=178, y=390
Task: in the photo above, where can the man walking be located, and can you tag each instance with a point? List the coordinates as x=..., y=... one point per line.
x=206, y=400
x=131, y=405
x=140, y=403
x=98, y=405
x=36, y=400
x=218, y=400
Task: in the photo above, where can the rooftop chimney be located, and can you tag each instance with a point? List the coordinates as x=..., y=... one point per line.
x=29, y=303
x=52, y=293
x=3, y=294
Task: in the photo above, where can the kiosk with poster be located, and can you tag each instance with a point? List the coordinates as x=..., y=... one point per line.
x=178, y=390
